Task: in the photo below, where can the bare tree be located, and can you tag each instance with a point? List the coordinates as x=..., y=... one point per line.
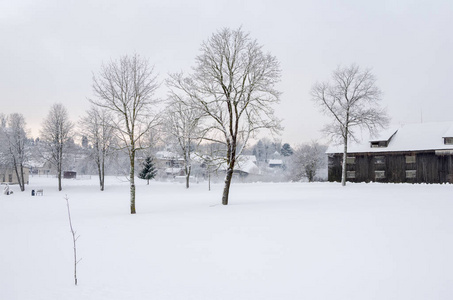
x=306, y=161
x=352, y=99
x=183, y=126
x=126, y=87
x=56, y=132
x=233, y=85
x=97, y=128
x=14, y=143
x=75, y=237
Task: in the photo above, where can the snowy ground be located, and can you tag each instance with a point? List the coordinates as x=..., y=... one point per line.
x=274, y=241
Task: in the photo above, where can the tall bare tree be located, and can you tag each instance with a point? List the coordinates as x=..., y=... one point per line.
x=183, y=126
x=351, y=98
x=56, y=132
x=126, y=87
x=14, y=143
x=97, y=128
x=233, y=84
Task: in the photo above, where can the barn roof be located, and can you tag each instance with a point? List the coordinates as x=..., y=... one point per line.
x=407, y=137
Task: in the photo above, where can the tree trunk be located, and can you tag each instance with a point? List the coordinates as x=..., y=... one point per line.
x=59, y=167
x=226, y=189
x=22, y=186
x=59, y=180
x=187, y=176
x=99, y=173
x=344, y=163
x=19, y=175
x=102, y=177
x=132, y=182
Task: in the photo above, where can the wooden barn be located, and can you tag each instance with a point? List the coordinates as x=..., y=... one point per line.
x=415, y=153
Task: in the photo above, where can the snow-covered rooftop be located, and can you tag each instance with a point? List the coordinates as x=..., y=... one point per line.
x=408, y=137
x=275, y=162
x=166, y=155
x=385, y=134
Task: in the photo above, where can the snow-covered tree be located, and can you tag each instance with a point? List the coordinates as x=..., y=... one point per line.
x=13, y=145
x=233, y=85
x=56, y=132
x=126, y=88
x=306, y=161
x=98, y=131
x=148, y=171
x=352, y=100
x=183, y=126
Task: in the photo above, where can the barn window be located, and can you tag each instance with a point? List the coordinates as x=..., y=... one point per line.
x=379, y=160
x=411, y=173
x=350, y=174
x=350, y=160
x=448, y=141
x=379, y=174
x=410, y=159
x=379, y=144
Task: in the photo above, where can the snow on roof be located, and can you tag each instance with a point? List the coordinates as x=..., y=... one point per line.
x=449, y=132
x=166, y=155
x=248, y=167
x=247, y=158
x=385, y=135
x=408, y=137
x=173, y=171
x=245, y=163
x=36, y=163
x=275, y=162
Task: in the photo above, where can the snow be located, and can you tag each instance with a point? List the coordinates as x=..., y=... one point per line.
x=408, y=137
x=274, y=241
x=384, y=135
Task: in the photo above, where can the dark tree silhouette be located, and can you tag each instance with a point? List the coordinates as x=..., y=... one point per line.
x=286, y=150
x=149, y=170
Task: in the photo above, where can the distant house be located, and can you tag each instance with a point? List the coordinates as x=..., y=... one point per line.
x=415, y=153
x=245, y=166
x=168, y=160
x=8, y=175
x=170, y=163
x=41, y=168
x=275, y=163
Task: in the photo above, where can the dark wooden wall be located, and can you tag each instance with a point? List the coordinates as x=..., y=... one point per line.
x=430, y=168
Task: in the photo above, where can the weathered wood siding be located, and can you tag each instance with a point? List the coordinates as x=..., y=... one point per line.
x=429, y=167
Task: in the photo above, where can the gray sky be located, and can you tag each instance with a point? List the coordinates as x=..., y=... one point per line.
x=49, y=50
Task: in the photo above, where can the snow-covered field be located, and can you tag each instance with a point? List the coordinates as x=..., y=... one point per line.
x=274, y=241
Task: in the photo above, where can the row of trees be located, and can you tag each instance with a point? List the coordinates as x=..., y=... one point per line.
x=227, y=99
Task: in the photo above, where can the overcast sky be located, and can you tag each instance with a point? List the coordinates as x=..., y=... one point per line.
x=50, y=49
